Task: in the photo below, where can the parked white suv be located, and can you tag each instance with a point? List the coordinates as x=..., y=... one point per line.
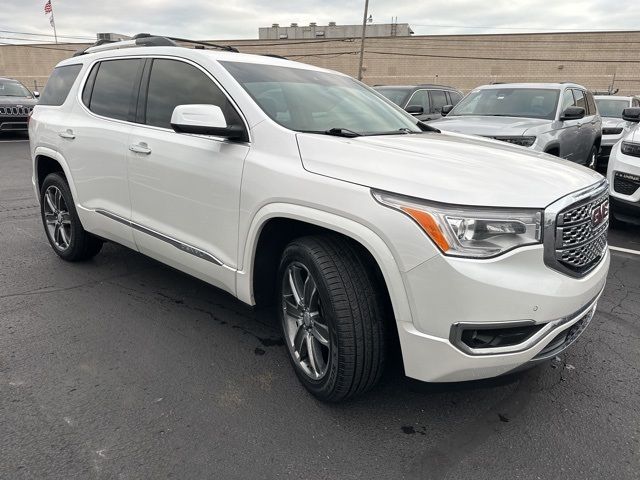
x=280, y=181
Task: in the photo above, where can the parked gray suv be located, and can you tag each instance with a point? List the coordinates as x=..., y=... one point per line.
x=16, y=104
x=556, y=118
x=424, y=102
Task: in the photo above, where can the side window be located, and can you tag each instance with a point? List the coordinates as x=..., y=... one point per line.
x=455, y=97
x=113, y=89
x=59, y=85
x=580, y=101
x=438, y=100
x=420, y=98
x=174, y=83
x=567, y=100
x=635, y=103
x=592, y=109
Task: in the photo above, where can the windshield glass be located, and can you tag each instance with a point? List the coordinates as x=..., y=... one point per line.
x=312, y=101
x=11, y=88
x=611, y=107
x=399, y=96
x=509, y=102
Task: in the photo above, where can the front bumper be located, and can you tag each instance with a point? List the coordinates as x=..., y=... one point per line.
x=515, y=288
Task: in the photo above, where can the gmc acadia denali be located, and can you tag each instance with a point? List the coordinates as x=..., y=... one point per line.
x=278, y=181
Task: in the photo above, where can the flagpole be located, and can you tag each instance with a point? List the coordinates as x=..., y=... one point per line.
x=53, y=21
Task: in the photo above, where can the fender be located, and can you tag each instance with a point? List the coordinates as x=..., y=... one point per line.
x=48, y=152
x=370, y=240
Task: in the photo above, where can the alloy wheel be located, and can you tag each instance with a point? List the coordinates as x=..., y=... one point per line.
x=307, y=332
x=57, y=218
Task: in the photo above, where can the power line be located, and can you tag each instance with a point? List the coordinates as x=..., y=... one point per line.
x=46, y=35
x=38, y=46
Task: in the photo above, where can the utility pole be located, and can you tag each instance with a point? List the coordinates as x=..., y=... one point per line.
x=364, y=31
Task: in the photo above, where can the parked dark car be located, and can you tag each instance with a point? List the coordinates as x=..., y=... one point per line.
x=16, y=103
x=424, y=102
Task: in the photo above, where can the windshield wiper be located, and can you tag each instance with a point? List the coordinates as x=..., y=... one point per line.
x=342, y=132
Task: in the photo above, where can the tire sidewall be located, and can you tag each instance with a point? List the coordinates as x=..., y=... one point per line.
x=323, y=387
x=76, y=227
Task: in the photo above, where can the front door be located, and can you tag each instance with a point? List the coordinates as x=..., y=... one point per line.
x=185, y=189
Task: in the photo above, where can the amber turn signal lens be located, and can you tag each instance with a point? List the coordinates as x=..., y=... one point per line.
x=429, y=225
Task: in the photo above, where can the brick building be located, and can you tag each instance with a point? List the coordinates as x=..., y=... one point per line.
x=597, y=60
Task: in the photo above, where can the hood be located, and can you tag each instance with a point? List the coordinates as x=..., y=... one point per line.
x=17, y=101
x=446, y=168
x=612, y=122
x=487, y=125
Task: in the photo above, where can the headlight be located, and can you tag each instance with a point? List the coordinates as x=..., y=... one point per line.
x=522, y=141
x=474, y=232
x=632, y=149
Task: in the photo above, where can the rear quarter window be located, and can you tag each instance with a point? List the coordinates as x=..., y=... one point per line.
x=59, y=84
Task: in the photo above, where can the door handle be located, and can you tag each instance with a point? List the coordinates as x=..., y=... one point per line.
x=68, y=134
x=140, y=148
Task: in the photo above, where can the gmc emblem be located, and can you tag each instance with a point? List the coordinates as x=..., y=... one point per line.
x=599, y=214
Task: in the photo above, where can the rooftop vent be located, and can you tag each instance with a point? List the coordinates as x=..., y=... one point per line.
x=294, y=24
x=312, y=24
x=332, y=24
x=275, y=25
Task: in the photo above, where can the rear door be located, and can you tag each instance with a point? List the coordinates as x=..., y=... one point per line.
x=568, y=131
x=95, y=142
x=185, y=189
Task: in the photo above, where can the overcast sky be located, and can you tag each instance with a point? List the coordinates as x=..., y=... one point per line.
x=235, y=19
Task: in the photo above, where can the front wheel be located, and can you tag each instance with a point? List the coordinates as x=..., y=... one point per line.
x=332, y=317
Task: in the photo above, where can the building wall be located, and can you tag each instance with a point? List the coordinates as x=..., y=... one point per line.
x=594, y=60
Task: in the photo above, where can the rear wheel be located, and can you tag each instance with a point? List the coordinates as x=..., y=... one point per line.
x=331, y=314
x=61, y=223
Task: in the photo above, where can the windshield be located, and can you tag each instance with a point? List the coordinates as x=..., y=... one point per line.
x=399, y=96
x=319, y=102
x=611, y=107
x=509, y=102
x=12, y=88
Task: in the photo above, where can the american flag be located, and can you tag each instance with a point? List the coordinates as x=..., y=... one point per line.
x=47, y=7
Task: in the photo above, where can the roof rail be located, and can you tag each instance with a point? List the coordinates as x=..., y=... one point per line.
x=148, y=40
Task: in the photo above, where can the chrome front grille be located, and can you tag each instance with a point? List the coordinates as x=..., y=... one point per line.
x=15, y=110
x=576, y=231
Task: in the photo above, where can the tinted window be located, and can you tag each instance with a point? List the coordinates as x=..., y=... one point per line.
x=510, y=102
x=174, y=83
x=13, y=88
x=113, y=88
x=636, y=103
x=59, y=85
x=396, y=95
x=591, y=104
x=438, y=100
x=580, y=101
x=420, y=99
x=455, y=98
x=567, y=100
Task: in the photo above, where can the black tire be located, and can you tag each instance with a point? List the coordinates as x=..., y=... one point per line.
x=592, y=159
x=351, y=305
x=81, y=244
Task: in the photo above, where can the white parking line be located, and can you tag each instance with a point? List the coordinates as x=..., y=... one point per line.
x=624, y=250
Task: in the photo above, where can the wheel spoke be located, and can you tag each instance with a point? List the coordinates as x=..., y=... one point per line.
x=291, y=308
x=321, y=333
x=66, y=218
x=293, y=283
x=64, y=237
x=299, y=339
x=50, y=201
x=50, y=218
x=311, y=354
x=58, y=199
x=56, y=234
x=309, y=291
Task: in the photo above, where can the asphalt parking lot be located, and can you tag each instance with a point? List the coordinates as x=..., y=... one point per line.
x=124, y=368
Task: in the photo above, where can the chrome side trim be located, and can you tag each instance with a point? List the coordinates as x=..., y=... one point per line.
x=554, y=326
x=185, y=247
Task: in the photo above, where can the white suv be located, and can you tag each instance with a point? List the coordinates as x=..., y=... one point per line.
x=282, y=182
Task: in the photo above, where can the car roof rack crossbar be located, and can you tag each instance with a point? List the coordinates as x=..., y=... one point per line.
x=148, y=40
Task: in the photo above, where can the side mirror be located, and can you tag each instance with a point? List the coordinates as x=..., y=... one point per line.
x=631, y=114
x=36, y=94
x=446, y=109
x=415, y=110
x=204, y=120
x=572, y=113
